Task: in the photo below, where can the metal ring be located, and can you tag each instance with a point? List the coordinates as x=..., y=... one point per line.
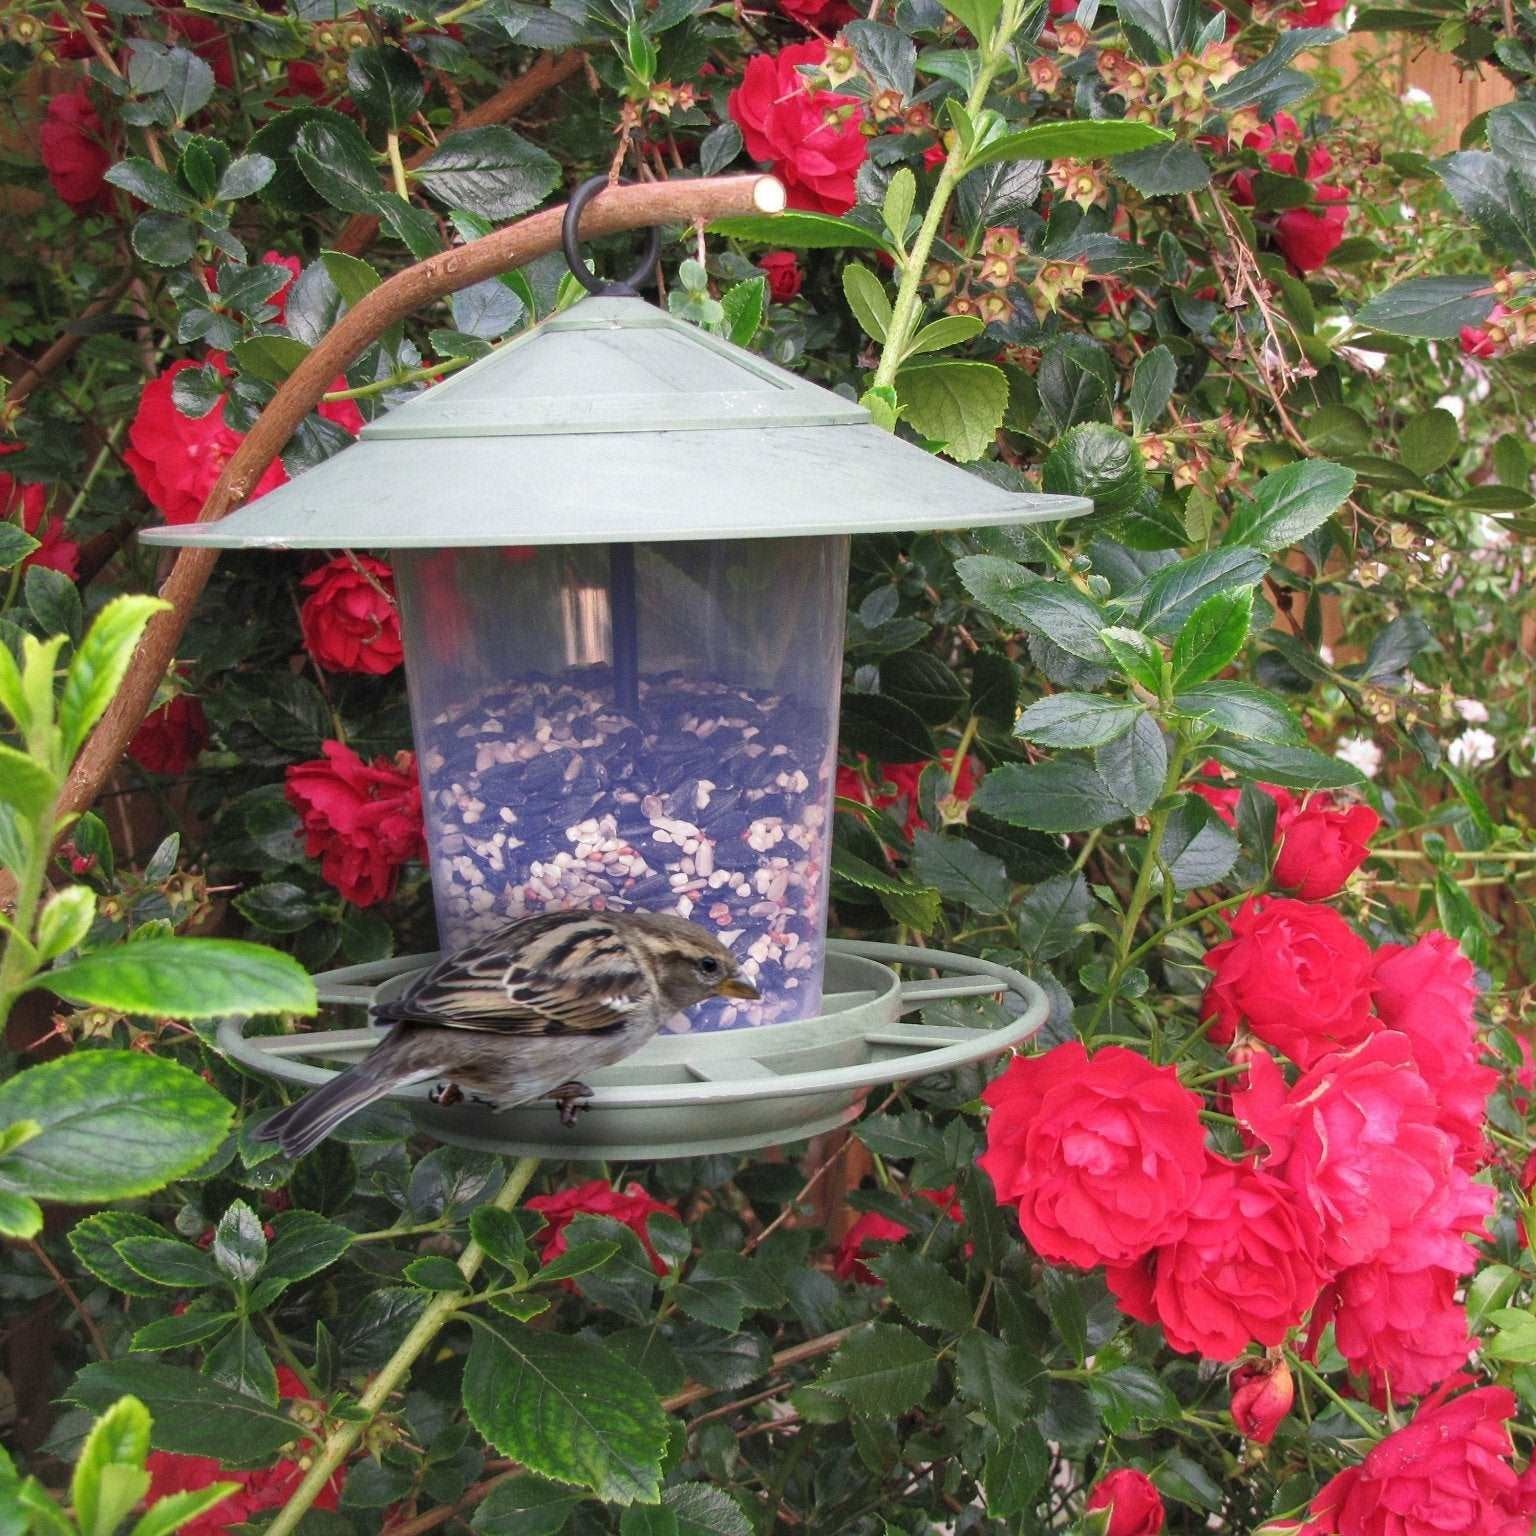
x=629, y=288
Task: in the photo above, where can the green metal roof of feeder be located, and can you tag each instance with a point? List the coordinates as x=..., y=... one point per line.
x=612, y=422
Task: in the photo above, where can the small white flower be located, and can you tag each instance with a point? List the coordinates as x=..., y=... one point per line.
x=1325, y=652
x=1472, y=748
x=1452, y=403
x=1360, y=752
x=1473, y=711
x=1416, y=96
x=1490, y=532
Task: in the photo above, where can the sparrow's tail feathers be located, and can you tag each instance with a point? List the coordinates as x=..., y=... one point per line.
x=303, y=1126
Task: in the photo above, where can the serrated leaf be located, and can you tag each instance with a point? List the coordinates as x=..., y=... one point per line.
x=1076, y=720
x=1197, y=849
x=1291, y=503
x=958, y=404
x=1212, y=636
x=923, y=1289
x=961, y=872
x=881, y=1371
x=1048, y=797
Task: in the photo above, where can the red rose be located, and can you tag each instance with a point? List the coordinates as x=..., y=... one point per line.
x=1308, y=239
x=597, y=1197
x=1426, y=992
x=1297, y=973
x=279, y=300
x=935, y=156
x=74, y=150
x=1262, y=1394
x=72, y=43
x=1320, y=13
x=261, y=1488
x=872, y=1227
x=1322, y=843
x=362, y=821
x=171, y=736
x=25, y=505
x=1104, y=1155
x=818, y=15
x=1447, y=1472
x=1218, y=794
x=1358, y=1139
x=812, y=138
x=350, y=621
x=1404, y=1331
x=783, y=274
x=177, y=458
x=1246, y=1270
x=1131, y=1497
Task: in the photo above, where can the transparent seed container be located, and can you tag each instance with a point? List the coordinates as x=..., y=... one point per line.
x=634, y=726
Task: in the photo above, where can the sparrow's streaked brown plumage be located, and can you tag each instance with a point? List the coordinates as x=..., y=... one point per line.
x=524, y=1013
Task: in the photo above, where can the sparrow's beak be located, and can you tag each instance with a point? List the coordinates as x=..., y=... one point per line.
x=735, y=987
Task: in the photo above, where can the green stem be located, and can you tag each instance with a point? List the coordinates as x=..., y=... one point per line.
x=342, y=1441
x=395, y=380
x=907, y=309
x=1320, y=1382
x=1186, y=921
x=963, y=751
x=397, y=166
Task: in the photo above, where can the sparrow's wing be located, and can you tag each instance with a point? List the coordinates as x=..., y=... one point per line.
x=558, y=973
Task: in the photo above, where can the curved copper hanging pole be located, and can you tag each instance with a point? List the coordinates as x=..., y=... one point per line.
x=616, y=210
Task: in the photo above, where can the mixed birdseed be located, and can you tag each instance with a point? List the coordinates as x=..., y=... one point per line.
x=712, y=803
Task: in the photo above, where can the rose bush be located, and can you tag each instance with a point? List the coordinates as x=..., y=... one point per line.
x=1236, y=768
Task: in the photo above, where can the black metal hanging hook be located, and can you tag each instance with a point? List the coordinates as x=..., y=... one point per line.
x=570, y=229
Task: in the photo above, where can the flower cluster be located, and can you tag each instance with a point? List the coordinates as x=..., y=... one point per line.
x=633, y=1206
x=1306, y=237
x=27, y=505
x=813, y=138
x=361, y=820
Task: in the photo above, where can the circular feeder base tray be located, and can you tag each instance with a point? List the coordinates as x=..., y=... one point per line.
x=685, y=1095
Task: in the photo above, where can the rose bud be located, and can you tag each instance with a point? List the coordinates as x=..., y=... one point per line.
x=1262, y=1394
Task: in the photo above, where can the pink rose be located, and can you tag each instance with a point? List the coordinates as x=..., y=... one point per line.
x=1104, y=1155
x=813, y=139
x=1426, y=992
x=1446, y=1474
x=1404, y=1331
x=1246, y=1271
x=1297, y=973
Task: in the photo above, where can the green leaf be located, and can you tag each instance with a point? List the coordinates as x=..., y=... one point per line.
x=245, y=176
x=867, y=299
x=1138, y=656
x=880, y=1371
x=946, y=331
x=1076, y=720
x=20, y=1216
x=1152, y=387
x=1428, y=440
x=303, y=1243
x=240, y=1360
x=435, y=1273
x=1164, y=602
x=65, y=920
x=525, y=1506
x=338, y=163
x=923, y=1289
x=15, y=546
x=100, y=664
x=186, y=979
x=885, y=729
x=1490, y=192
x=269, y=358
x=145, y=180
x=54, y=602
x=1290, y=767
x=239, y=1244
x=924, y=684
x=94, y=1242
x=577, y=1260
x=25, y=783
x=182, y=1331
x=168, y=1262
x=175, y=1510
x=1164, y=170
x=1170, y=26
x=703, y=1510
x=1015, y=1472
x=1087, y=140
x=115, y=1124
x=1065, y=616
x=1092, y=459
x=1003, y=1380
x=1134, y=766
x=567, y=1409
x=1048, y=797
x=722, y=1287
x=900, y=199
x=799, y=231
x=1242, y=710
x=289, y=191
x=1051, y=916
x=117, y=1444
x=1197, y=848
x=490, y=171
x=1290, y=504
x=744, y=305
x=1436, y=307
x=961, y=872
x=164, y=239
x=957, y=404
x=1212, y=636
x=386, y=83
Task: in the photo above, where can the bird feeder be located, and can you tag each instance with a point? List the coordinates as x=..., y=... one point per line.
x=620, y=547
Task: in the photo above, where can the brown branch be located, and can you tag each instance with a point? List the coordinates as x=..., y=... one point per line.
x=60, y=351
x=796, y=1354
x=610, y=212
x=68, y=1291
x=361, y=230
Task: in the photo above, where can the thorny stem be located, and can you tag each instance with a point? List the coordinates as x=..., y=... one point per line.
x=908, y=307
x=341, y=1442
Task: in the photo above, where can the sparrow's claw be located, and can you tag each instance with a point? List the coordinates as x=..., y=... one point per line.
x=446, y=1093
x=571, y=1097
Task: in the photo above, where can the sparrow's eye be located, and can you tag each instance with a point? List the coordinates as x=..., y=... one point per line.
x=709, y=966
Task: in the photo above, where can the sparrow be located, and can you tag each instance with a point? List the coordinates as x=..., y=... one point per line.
x=522, y=1013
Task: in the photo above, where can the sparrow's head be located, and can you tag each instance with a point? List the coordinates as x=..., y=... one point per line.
x=688, y=962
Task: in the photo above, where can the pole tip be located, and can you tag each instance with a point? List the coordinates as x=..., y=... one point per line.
x=768, y=195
